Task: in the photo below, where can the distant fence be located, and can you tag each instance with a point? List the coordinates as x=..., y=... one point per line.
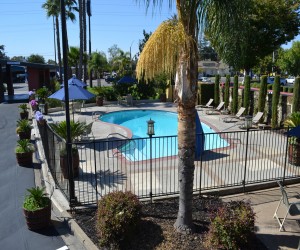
x=149, y=167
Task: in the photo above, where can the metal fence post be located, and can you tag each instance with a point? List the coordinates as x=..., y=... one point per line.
x=246, y=156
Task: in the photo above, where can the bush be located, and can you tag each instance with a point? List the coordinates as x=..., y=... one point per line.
x=118, y=216
x=232, y=225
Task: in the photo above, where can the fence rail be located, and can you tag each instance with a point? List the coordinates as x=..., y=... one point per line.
x=149, y=166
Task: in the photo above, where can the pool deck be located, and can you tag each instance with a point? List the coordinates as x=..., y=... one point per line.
x=102, y=130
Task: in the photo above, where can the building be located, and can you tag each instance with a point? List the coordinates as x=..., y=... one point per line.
x=212, y=68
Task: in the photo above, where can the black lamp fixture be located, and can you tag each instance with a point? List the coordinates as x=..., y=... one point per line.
x=150, y=130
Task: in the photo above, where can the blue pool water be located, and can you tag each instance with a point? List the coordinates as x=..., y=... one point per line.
x=165, y=125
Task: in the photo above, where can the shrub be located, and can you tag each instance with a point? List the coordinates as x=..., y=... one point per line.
x=235, y=94
x=232, y=225
x=247, y=95
x=217, y=90
x=296, y=101
x=118, y=216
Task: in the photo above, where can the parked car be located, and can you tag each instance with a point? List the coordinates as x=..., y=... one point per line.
x=271, y=79
x=204, y=79
x=290, y=80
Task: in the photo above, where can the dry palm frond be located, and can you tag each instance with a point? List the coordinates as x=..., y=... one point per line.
x=161, y=51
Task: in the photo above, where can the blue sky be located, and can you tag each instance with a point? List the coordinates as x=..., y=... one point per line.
x=25, y=29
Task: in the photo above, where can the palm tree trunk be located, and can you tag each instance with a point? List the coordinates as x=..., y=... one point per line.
x=58, y=48
x=80, y=40
x=186, y=89
x=84, y=38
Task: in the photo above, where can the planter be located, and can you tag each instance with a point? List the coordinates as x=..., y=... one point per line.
x=99, y=100
x=163, y=97
x=25, y=135
x=294, y=154
x=38, y=219
x=24, y=159
x=24, y=115
x=64, y=165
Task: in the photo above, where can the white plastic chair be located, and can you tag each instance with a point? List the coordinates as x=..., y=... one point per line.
x=292, y=208
x=216, y=110
x=207, y=105
x=236, y=117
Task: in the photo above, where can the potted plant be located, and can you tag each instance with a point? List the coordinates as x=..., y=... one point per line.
x=294, y=142
x=43, y=94
x=37, y=208
x=34, y=104
x=99, y=91
x=77, y=129
x=39, y=118
x=24, y=151
x=24, y=129
x=23, y=111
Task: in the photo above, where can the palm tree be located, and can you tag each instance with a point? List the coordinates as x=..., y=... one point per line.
x=82, y=36
x=173, y=48
x=97, y=64
x=52, y=8
x=73, y=58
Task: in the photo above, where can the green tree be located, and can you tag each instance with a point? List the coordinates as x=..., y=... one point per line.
x=289, y=59
x=262, y=94
x=97, y=63
x=206, y=52
x=217, y=90
x=247, y=94
x=144, y=40
x=227, y=91
x=2, y=53
x=52, y=8
x=73, y=59
x=18, y=58
x=275, y=102
x=259, y=35
x=235, y=95
x=173, y=47
x=35, y=58
x=296, y=95
x=50, y=61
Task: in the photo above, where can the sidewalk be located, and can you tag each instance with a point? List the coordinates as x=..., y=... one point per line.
x=14, y=180
x=267, y=228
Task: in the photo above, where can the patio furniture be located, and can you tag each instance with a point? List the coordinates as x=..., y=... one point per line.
x=234, y=118
x=88, y=133
x=217, y=110
x=127, y=100
x=207, y=105
x=292, y=208
x=257, y=118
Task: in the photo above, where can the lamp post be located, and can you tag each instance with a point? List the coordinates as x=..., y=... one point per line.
x=248, y=122
x=150, y=133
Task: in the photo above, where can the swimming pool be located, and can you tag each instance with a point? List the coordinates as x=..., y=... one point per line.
x=165, y=125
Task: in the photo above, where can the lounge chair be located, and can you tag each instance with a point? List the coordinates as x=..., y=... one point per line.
x=88, y=133
x=217, y=110
x=292, y=208
x=207, y=105
x=236, y=117
x=127, y=100
x=255, y=120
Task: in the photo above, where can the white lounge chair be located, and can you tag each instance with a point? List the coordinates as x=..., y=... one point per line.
x=217, y=110
x=207, y=105
x=292, y=208
x=236, y=117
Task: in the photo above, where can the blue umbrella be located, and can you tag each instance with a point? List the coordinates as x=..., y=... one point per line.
x=75, y=93
x=75, y=81
x=127, y=79
x=294, y=132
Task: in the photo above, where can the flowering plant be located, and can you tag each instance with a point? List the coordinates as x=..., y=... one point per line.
x=33, y=103
x=39, y=116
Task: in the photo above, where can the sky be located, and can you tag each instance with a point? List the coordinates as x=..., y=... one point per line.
x=25, y=28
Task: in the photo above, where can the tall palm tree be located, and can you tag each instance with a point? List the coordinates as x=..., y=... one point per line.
x=73, y=58
x=173, y=49
x=52, y=8
x=82, y=37
x=97, y=64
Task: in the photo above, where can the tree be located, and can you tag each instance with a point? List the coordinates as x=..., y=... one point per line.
x=262, y=94
x=275, y=101
x=296, y=95
x=173, y=47
x=247, y=94
x=289, y=59
x=73, y=58
x=52, y=8
x=50, y=61
x=144, y=40
x=82, y=38
x=235, y=95
x=2, y=53
x=35, y=58
x=259, y=35
x=217, y=90
x=97, y=63
x=18, y=58
x=227, y=91
x=206, y=52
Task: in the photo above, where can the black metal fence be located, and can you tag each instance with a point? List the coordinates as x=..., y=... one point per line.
x=148, y=167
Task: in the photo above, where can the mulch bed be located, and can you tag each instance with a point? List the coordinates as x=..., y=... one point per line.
x=157, y=226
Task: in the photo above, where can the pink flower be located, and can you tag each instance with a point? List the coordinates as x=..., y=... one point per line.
x=33, y=103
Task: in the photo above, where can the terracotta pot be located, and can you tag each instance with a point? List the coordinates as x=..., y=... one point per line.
x=64, y=165
x=38, y=219
x=25, y=135
x=99, y=100
x=24, y=115
x=294, y=154
x=24, y=159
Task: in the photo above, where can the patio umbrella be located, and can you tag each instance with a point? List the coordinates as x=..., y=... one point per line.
x=127, y=79
x=75, y=93
x=75, y=81
x=294, y=132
